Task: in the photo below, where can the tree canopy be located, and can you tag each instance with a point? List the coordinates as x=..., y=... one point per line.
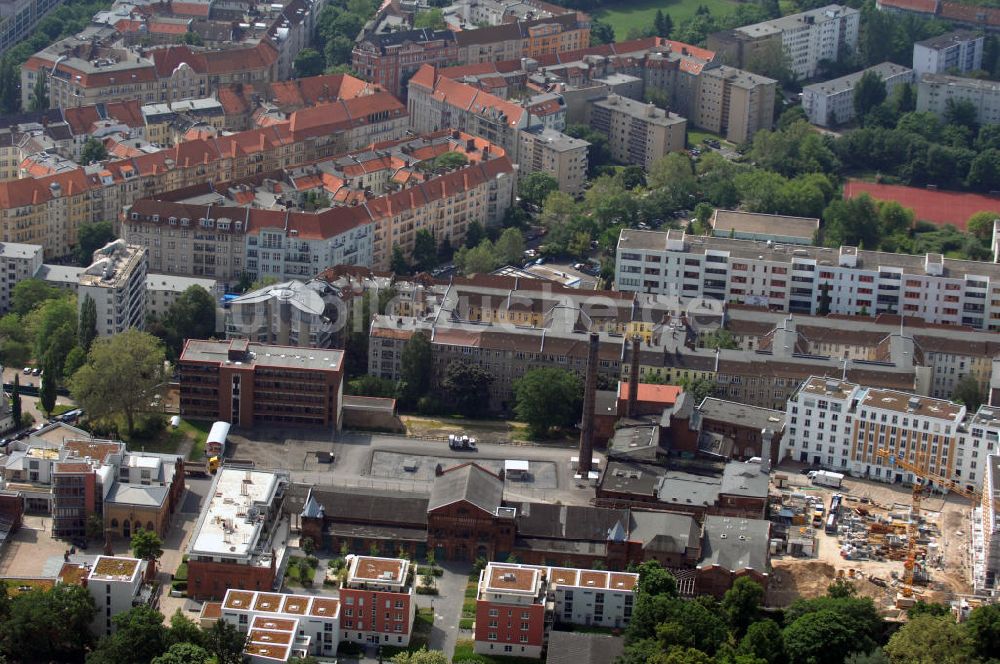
x=548, y=398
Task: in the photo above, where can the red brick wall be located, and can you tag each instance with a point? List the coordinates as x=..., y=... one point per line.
x=462, y=531
x=386, y=619
x=716, y=580
x=211, y=580
x=12, y=508
x=509, y=621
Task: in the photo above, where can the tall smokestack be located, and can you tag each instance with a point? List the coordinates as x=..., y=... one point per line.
x=589, y=399
x=633, y=378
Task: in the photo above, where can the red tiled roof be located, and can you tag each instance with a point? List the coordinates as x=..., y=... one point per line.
x=936, y=207
x=953, y=11
x=190, y=8
x=233, y=102
x=921, y=6
x=466, y=97
x=318, y=89
x=344, y=114
x=82, y=118
x=665, y=394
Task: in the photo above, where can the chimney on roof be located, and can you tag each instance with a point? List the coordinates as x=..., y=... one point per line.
x=586, y=453
x=633, y=382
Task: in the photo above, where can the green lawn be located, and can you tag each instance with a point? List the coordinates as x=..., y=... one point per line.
x=696, y=139
x=464, y=653
x=630, y=14
x=197, y=431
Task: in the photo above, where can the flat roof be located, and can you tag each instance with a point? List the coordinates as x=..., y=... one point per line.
x=950, y=39
x=382, y=570
x=829, y=387
x=885, y=70
x=225, y=528
x=505, y=578
x=913, y=404
x=314, y=359
x=661, y=394
x=757, y=417
x=108, y=568
x=764, y=224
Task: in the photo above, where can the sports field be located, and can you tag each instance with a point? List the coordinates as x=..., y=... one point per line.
x=627, y=14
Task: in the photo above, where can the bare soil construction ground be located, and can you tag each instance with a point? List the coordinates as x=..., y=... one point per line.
x=948, y=564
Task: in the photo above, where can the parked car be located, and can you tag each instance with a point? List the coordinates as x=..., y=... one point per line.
x=27, y=371
x=461, y=442
x=36, y=371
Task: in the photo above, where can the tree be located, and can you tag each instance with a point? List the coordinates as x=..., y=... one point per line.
x=601, y=33
x=858, y=615
x=422, y=656
x=119, y=375
x=90, y=237
x=430, y=18
x=308, y=62
x=869, y=92
x=191, y=316
x=40, y=92
x=308, y=546
x=146, y=545
x=54, y=326
x=424, y=251
x=823, y=305
x=139, y=636
x=535, y=187
x=980, y=224
x=673, y=173
x=416, y=366
x=448, y=161
x=47, y=389
x=509, y=247
x=930, y=640
x=772, y=61
x=764, y=640
x=10, y=87
x=983, y=626
x=398, y=264
x=183, y=653
x=819, y=638
x=655, y=580
x=961, y=112
x=93, y=151
x=474, y=234
x=481, y=259
x=225, y=642
x=192, y=39
x=924, y=608
x=968, y=392
x=50, y=625
x=663, y=23
x=698, y=388
x=741, y=604
x=95, y=527
x=547, y=398
x=467, y=387
x=15, y=401
x=29, y=293
x=88, y=322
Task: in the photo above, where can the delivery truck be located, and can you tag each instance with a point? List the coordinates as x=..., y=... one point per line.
x=826, y=478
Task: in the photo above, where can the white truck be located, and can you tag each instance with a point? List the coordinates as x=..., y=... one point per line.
x=826, y=478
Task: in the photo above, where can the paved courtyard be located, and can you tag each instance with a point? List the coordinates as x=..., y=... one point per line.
x=421, y=467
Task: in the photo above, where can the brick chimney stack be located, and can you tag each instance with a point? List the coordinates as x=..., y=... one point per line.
x=633, y=378
x=589, y=399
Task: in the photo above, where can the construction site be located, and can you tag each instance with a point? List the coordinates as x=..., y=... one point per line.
x=869, y=534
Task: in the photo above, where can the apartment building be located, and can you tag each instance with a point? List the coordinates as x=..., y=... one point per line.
x=290, y=313
x=512, y=617
x=934, y=91
x=116, y=282
x=831, y=103
x=47, y=210
x=391, y=59
x=734, y=103
x=986, y=531
x=851, y=281
x=162, y=290
x=277, y=624
x=378, y=601
x=842, y=425
x=117, y=585
x=245, y=382
x=555, y=153
x=808, y=37
x=236, y=542
x=959, y=51
x=637, y=133
x=19, y=17
x=17, y=263
x=524, y=39
x=78, y=72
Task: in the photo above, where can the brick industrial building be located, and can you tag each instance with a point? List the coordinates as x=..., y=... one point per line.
x=248, y=383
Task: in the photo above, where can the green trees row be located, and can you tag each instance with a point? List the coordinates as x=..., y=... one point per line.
x=338, y=24
x=836, y=628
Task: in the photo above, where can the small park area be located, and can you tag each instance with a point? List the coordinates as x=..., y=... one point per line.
x=628, y=14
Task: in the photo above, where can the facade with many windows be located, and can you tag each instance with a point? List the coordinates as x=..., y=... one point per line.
x=806, y=280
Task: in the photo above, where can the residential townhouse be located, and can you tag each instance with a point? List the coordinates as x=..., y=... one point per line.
x=79, y=72
x=311, y=621
x=513, y=615
x=381, y=198
x=389, y=60
x=48, y=210
x=795, y=279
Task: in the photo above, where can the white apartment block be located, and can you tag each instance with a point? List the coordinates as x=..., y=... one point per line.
x=116, y=586
x=959, y=51
x=811, y=36
x=306, y=623
x=162, y=290
x=831, y=103
x=986, y=531
x=934, y=91
x=17, y=262
x=841, y=426
x=116, y=281
x=301, y=254
x=794, y=278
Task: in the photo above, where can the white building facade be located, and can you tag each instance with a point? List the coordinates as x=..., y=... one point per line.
x=116, y=282
x=958, y=51
x=831, y=103
x=935, y=90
